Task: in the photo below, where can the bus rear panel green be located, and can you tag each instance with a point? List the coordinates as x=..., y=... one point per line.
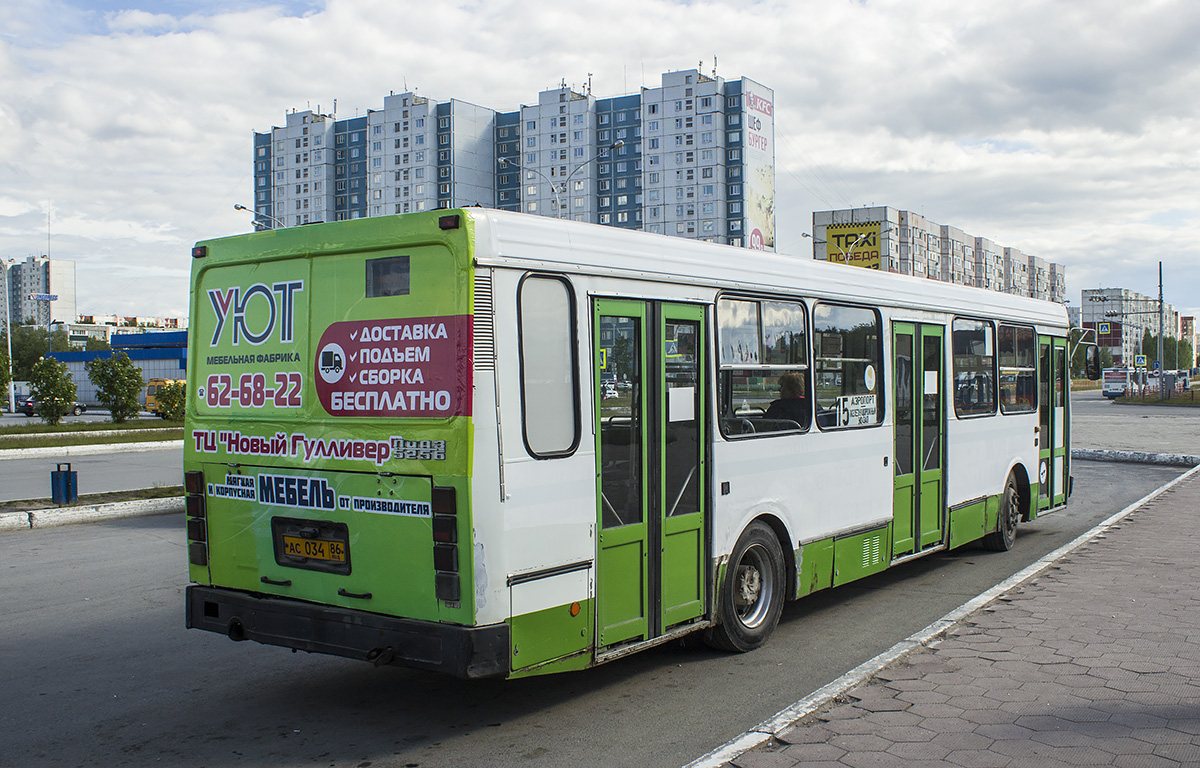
x=330, y=375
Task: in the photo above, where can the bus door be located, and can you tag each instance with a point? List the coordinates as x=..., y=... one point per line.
x=919, y=517
x=1052, y=422
x=651, y=468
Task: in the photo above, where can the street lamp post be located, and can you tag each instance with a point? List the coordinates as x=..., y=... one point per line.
x=12, y=396
x=257, y=215
x=558, y=187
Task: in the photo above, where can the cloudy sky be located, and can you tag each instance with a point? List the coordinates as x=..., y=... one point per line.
x=1067, y=129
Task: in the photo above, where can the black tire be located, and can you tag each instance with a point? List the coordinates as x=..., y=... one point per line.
x=1005, y=535
x=751, y=598
x=76, y=411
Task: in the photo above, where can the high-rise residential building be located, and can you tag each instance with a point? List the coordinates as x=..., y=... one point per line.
x=38, y=276
x=1189, y=333
x=1121, y=318
x=881, y=237
x=693, y=158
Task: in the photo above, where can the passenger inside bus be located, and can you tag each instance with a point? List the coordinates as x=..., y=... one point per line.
x=791, y=404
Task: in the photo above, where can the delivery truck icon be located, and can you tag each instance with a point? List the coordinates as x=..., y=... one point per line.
x=332, y=363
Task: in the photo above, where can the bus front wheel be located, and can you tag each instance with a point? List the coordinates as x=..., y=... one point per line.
x=751, y=597
x=1005, y=535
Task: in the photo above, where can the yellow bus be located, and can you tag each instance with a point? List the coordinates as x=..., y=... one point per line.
x=152, y=393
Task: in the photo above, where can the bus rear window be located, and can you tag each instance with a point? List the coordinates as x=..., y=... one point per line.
x=387, y=277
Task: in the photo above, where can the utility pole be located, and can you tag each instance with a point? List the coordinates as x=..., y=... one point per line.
x=12, y=401
x=1162, y=369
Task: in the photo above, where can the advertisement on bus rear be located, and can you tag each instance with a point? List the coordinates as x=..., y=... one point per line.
x=362, y=359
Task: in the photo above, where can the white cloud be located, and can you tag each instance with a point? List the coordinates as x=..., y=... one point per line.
x=1065, y=129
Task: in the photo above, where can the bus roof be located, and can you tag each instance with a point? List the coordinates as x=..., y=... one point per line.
x=525, y=241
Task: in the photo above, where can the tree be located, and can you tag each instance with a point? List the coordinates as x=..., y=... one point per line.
x=4, y=367
x=29, y=345
x=171, y=401
x=53, y=388
x=96, y=345
x=1177, y=353
x=118, y=385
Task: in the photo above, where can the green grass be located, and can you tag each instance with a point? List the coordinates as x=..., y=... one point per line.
x=1178, y=400
x=164, y=492
x=34, y=424
x=37, y=433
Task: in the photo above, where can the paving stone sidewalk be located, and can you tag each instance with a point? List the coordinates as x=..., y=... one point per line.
x=1094, y=662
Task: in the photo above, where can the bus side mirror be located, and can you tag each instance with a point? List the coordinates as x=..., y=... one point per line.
x=1092, y=361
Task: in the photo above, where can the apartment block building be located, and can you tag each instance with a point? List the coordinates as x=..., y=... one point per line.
x=38, y=275
x=882, y=237
x=693, y=157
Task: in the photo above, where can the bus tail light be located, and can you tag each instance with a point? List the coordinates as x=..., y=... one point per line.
x=445, y=547
x=197, y=522
x=193, y=481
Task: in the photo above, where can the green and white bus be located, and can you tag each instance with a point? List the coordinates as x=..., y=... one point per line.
x=495, y=444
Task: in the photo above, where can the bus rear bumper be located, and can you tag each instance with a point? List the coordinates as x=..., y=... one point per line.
x=467, y=652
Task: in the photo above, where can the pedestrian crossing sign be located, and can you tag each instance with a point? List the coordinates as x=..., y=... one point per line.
x=1139, y=361
x=1105, y=329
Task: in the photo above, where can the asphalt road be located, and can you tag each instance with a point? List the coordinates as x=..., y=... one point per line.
x=99, y=473
x=1097, y=422
x=99, y=670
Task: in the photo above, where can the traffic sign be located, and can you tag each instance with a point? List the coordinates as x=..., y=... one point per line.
x=1139, y=361
x=1105, y=329
x=1157, y=365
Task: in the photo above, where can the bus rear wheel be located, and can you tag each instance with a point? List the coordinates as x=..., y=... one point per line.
x=1005, y=535
x=751, y=598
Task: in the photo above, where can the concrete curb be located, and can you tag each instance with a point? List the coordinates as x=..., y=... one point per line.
x=48, y=518
x=783, y=719
x=100, y=432
x=1136, y=457
x=87, y=450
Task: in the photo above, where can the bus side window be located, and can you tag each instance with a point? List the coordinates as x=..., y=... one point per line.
x=974, y=354
x=763, y=385
x=549, y=366
x=1018, y=369
x=848, y=357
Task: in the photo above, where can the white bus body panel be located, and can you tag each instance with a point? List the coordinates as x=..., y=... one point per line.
x=819, y=484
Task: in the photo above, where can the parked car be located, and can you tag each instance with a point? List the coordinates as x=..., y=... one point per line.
x=29, y=407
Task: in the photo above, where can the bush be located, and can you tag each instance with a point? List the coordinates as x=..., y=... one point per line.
x=118, y=385
x=171, y=401
x=53, y=388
